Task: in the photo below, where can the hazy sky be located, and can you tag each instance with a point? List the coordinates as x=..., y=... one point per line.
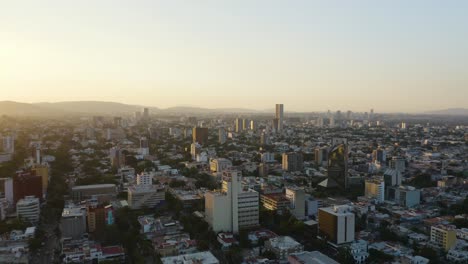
x=400, y=55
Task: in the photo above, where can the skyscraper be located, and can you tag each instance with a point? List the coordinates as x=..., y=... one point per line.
x=222, y=136
x=238, y=125
x=279, y=116
x=200, y=135
x=145, y=113
x=293, y=161
x=338, y=165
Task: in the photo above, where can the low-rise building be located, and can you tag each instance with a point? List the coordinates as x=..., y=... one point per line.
x=310, y=257
x=205, y=257
x=283, y=246
x=145, y=196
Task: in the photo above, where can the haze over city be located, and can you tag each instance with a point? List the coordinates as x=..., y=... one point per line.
x=398, y=56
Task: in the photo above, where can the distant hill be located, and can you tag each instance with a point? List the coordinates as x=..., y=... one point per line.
x=100, y=108
x=450, y=111
x=93, y=107
x=200, y=110
x=23, y=109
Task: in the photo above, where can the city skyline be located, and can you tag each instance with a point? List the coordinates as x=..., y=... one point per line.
x=394, y=57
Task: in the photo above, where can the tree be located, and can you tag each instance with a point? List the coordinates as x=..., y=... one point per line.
x=376, y=256
x=344, y=256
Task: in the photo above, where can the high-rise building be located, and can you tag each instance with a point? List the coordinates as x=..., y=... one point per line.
x=200, y=135
x=279, y=117
x=398, y=163
x=375, y=189
x=222, y=137
x=336, y=224
x=145, y=114
x=245, y=123
x=264, y=139
x=379, y=155
x=238, y=125
x=195, y=149
x=253, y=125
x=444, y=236
x=293, y=161
x=144, y=146
x=42, y=170
x=233, y=207
x=407, y=196
x=73, y=222
x=28, y=208
x=338, y=165
x=8, y=144
x=296, y=197
x=321, y=155
x=26, y=184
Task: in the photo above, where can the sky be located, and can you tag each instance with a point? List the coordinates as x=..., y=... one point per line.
x=392, y=56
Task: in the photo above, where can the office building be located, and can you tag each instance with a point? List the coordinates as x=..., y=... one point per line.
x=222, y=137
x=144, y=146
x=296, y=197
x=73, y=222
x=375, y=189
x=148, y=196
x=398, y=163
x=145, y=114
x=28, y=208
x=336, y=224
x=233, y=207
x=379, y=156
x=6, y=187
x=103, y=192
x=195, y=149
x=238, y=125
x=219, y=164
x=337, y=165
x=26, y=183
x=42, y=170
x=275, y=202
x=245, y=124
x=99, y=216
x=279, y=116
x=253, y=125
x=293, y=161
x=321, y=155
x=8, y=144
x=117, y=157
x=444, y=236
x=264, y=139
x=392, y=177
x=406, y=196
x=283, y=246
x=145, y=178
x=200, y=135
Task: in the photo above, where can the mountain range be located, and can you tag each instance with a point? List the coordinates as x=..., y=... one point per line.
x=112, y=108
x=101, y=108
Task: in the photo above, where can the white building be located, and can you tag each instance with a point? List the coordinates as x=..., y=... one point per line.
x=232, y=208
x=8, y=144
x=145, y=178
x=359, y=250
x=283, y=246
x=337, y=224
x=205, y=257
x=28, y=208
x=296, y=197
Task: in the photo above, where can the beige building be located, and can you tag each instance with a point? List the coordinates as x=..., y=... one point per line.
x=233, y=207
x=444, y=236
x=375, y=189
